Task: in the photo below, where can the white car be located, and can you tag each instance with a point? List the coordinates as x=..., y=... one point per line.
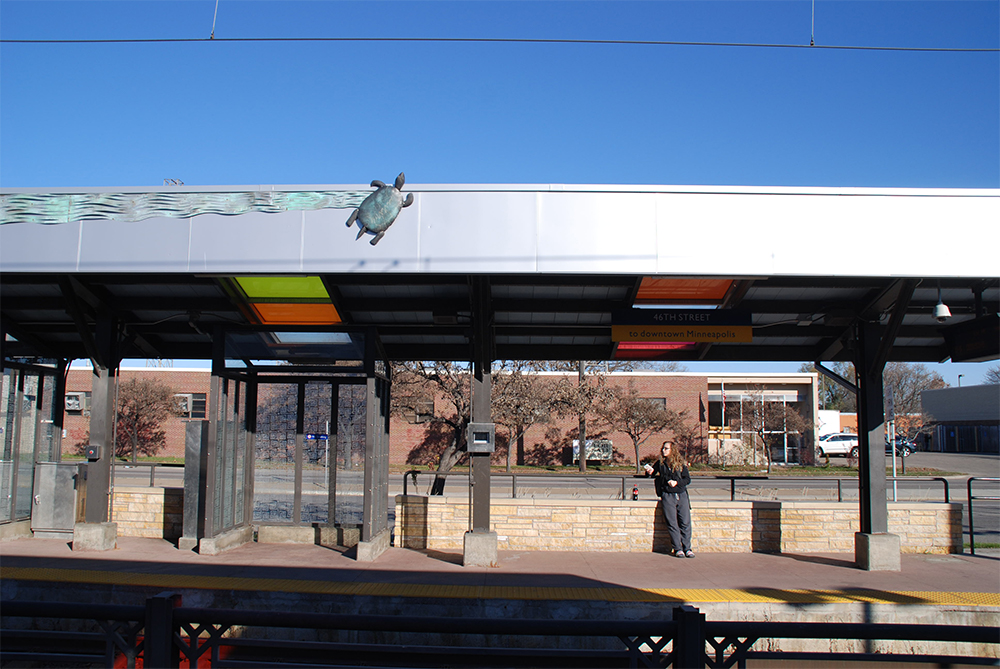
x=842, y=443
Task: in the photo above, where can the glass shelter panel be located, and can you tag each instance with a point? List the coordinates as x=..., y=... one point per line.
x=29, y=423
x=227, y=468
x=350, y=458
x=8, y=416
x=378, y=421
x=274, y=459
x=316, y=453
x=27, y=412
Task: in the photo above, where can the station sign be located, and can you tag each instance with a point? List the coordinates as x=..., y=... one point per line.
x=716, y=326
x=320, y=437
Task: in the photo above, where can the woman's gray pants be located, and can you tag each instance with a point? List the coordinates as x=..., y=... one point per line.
x=677, y=513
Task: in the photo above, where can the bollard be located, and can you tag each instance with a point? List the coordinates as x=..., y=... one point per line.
x=158, y=647
x=689, y=644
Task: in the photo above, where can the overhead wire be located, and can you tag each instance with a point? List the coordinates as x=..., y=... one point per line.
x=498, y=40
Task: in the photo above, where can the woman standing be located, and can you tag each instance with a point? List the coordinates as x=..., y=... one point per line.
x=671, y=478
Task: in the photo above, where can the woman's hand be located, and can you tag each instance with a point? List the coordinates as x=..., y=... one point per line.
x=671, y=483
x=649, y=468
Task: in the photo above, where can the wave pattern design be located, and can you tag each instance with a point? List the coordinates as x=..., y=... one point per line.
x=55, y=209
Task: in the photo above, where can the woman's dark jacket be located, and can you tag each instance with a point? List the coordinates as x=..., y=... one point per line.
x=662, y=473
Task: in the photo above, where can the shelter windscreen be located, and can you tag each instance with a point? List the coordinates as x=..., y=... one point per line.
x=27, y=409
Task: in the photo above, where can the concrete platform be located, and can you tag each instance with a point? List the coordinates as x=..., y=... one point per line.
x=928, y=589
x=529, y=574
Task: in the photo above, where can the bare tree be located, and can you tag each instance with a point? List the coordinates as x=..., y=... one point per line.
x=143, y=405
x=833, y=396
x=904, y=380
x=414, y=383
x=992, y=376
x=638, y=417
x=581, y=396
x=520, y=399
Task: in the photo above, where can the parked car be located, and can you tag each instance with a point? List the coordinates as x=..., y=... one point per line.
x=840, y=443
x=904, y=447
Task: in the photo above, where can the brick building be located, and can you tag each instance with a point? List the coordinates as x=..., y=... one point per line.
x=414, y=439
x=190, y=387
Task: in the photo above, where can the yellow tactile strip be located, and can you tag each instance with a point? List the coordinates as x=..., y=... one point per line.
x=748, y=595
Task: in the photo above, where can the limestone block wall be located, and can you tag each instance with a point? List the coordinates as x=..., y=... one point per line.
x=149, y=512
x=439, y=523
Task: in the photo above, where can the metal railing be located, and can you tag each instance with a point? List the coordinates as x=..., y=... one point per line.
x=968, y=484
x=626, y=480
x=119, y=466
x=163, y=631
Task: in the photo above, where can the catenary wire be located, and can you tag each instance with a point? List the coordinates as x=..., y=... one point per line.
x=496, y=40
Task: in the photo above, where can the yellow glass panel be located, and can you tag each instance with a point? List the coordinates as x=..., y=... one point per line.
x=277, y=287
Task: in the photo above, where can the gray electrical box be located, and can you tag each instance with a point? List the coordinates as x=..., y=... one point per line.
x=480, y=438
x=56, y=500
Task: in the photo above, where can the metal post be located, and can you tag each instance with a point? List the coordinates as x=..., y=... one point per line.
x=972, y=530
x=480, y=470
x=158, y=647
x=871, y=433
x=102, y=421
x=332, y=431
x=689, y=644
x=300, y=412
x=582, y=427
x=251, y=448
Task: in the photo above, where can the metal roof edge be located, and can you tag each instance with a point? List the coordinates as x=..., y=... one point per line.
x=529, y=188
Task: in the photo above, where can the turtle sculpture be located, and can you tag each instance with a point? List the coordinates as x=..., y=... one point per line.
x=380, y=209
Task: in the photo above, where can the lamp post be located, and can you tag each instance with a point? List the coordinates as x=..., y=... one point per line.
x=960, y=380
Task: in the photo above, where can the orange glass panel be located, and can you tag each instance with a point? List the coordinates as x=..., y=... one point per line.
x=655, y=290
x=296, y=314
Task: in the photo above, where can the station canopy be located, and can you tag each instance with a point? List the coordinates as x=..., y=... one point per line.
x=548, y=272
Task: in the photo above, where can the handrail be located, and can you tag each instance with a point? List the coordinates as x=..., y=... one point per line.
x=412, y=473
x=968, y=484
x=624, y=478
x=152, y=468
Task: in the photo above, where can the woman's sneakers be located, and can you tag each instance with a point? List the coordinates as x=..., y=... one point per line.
x=679, y=554
x=689, y=554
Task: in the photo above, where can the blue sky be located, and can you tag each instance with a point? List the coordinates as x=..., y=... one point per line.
x=348, y=112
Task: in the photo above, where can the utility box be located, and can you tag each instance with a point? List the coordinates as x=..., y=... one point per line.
x=54, y=507
x=480, y=438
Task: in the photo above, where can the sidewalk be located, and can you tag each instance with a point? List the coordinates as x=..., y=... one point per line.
x=711, y=577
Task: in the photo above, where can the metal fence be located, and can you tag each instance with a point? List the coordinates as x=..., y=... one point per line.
x=163, y=634
x=623, y=485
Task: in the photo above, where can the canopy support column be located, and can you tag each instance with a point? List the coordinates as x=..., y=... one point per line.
x=874, y=548
x=97, y=532
x=480, y=545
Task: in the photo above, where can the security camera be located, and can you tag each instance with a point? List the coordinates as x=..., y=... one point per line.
x=941, y=312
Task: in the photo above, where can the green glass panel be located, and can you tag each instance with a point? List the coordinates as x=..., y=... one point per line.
x=283, y=287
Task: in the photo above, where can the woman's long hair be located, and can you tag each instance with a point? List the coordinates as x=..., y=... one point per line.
x=675, y=461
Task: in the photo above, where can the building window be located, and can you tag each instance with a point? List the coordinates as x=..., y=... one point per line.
x=421, y=412
x=191, y=405
x=78, y=403
x=658, y=402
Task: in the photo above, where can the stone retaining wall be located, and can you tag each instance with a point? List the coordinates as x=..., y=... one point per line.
x=156, y=513
x=439, y=523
